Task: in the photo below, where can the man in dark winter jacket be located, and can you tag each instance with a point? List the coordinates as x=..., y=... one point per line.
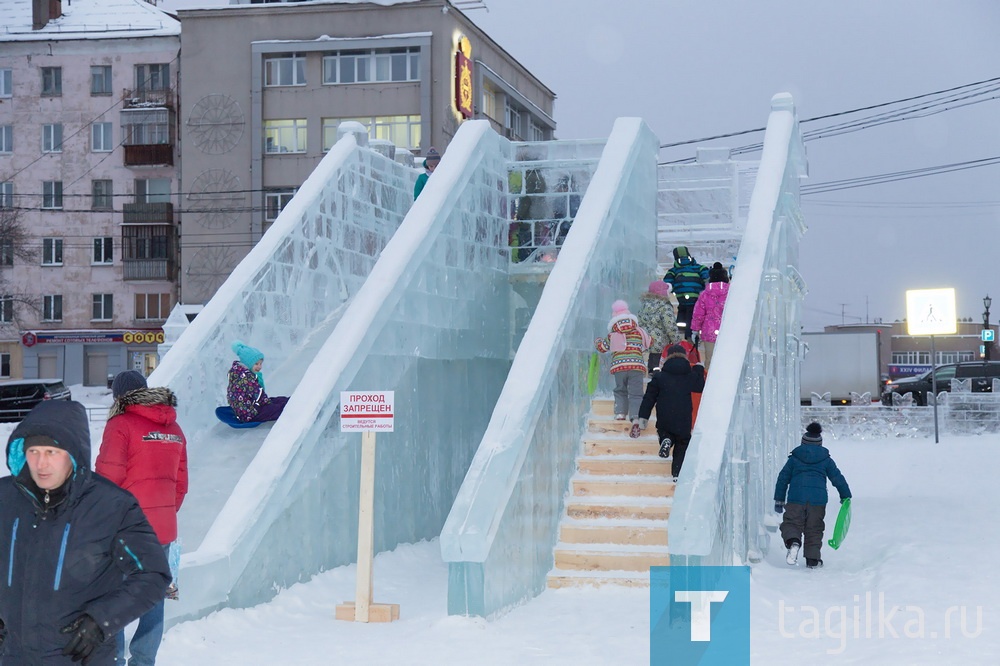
x=81, y=559
x=670, y=390
x=803, y=478
x=144, y=451
x=687, y=278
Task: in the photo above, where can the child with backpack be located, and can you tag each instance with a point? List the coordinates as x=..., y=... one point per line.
x=803, y=479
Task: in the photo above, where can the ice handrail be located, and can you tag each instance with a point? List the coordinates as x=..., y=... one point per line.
x=749, y=416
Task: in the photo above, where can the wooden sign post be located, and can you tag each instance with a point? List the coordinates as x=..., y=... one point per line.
x=368, y=412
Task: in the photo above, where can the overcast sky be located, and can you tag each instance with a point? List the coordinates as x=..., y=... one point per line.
x=700, y=68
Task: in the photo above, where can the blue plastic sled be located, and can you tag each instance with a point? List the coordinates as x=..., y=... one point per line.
x=227, y=416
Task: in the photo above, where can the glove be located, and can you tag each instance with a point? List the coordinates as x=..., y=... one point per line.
x=779, y=506
x=643, y=423
x=87, y=636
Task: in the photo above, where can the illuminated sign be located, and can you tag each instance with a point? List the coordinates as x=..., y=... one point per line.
x=463, y=77
x=139, y=337
x=930, y=312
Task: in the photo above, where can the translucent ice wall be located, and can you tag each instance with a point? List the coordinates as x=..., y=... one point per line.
x=749, y=415
x=499, y=536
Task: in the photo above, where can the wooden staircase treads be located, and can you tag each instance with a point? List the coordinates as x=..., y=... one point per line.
x=586, y=485
x=604, y=560
x=622, y=533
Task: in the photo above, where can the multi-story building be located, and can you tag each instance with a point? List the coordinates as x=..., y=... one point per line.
x=88, y=250
x=266, y=84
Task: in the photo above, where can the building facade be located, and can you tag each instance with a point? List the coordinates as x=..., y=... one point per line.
x=287, y=74
x=88, y=154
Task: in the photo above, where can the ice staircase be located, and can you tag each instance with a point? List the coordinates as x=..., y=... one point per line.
x=615, y=523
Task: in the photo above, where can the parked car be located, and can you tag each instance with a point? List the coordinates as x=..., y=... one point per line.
x=982, y=374
x=19, y=396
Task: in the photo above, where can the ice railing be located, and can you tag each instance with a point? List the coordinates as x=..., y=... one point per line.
x=499, y=537
x=749, y=417
x=546, y=182
x=431, y=324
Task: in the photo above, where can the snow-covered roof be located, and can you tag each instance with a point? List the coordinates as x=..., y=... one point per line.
x=190, y=5
x=88, y=19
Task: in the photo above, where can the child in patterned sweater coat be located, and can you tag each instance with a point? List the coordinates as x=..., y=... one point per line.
x=626, y=341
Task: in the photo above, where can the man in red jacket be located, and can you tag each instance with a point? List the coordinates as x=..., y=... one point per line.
x=144, y=451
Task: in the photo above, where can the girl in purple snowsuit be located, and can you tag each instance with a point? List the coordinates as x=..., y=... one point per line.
x=245, y=393
x=707, y=317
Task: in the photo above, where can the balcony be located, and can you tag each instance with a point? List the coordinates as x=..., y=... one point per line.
x=147, y=269
x=149, y=155
x=148, y=213
x=145, y=99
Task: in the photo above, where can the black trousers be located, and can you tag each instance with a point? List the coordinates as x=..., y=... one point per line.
x=679, y=447
x=804, y=519
x=685, y=311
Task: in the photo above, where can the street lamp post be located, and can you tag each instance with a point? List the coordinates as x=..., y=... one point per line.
x=987, y=302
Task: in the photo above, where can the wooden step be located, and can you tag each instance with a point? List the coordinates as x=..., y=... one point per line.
x=558, y=578
x=587, y=485
x=623, y=466
x=607, y=560
x=603, y=424
x=602, y=407
x=609, y=446
x=603, y=507
x=646, y=533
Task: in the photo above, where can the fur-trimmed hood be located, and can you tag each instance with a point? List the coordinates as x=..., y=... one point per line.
x=148, y=397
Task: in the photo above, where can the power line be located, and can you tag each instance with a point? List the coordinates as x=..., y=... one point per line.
x=895, y=176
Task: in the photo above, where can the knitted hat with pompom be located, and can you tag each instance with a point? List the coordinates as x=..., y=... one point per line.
x=814, y=434
x=660, y=288
x=619, y=307
x=248, y=355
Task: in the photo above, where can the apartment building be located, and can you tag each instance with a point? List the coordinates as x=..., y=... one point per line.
x=88, y=154
x=266, y=84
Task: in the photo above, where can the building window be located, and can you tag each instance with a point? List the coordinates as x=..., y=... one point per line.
x=152, y=190
x=285, y=70
x=535, y=131
x=152, y=77
x=6, y=310
x=489, y=103
x=379, y=65
x=6, y=138
x=52, y=252
x=285, y=136
x=7, y=194
x=100, y=79
x=146, y=242
x=5, y=365
x=6, y=82
x=404, y=131
x=145, y=127
x=101, y=140
x=103, y=307
x=52, y=307
x=51, y=81
x=104, y=250
x=512, y=121
x=275, y=202
x=52, y=138
x=152, y=306
x=6, y=252
x=52, y=194
x=102, y=197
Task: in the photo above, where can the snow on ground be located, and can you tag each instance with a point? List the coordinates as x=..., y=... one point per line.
x=923, y=537
x=923, y=540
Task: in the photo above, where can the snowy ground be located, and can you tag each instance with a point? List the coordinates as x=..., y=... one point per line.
x=923, y=540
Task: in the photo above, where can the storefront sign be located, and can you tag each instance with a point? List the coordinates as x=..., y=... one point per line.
x=140, y=337
x=463, y=78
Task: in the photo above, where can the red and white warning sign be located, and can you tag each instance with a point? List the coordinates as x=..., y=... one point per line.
x=366, y=410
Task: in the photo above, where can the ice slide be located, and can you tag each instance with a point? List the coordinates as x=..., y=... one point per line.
x=340, y=295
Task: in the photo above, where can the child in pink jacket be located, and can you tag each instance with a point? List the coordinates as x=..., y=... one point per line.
x=707, y=315
x=626, y=341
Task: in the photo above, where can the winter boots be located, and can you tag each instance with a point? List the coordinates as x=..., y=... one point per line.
x=813, y=564
x=793, y=553
x=665, y=448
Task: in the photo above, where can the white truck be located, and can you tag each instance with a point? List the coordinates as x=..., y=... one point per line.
x=840, y=363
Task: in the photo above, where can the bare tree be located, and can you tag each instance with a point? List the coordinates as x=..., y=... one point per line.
x=16, y=245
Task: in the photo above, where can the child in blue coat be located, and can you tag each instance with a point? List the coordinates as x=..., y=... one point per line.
x=803, y=478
